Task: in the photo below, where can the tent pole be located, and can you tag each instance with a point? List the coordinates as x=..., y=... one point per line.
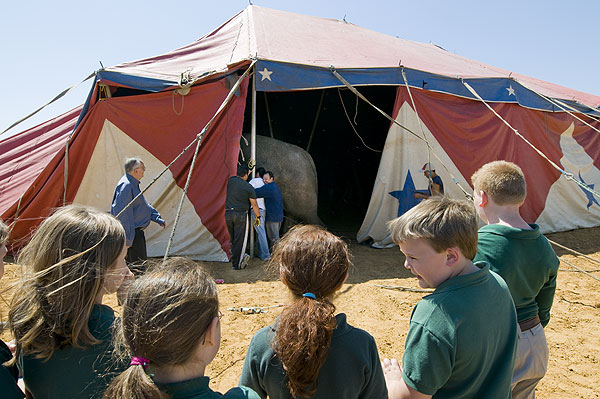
x=312, y=133
x=253, y=153
x=268, y=115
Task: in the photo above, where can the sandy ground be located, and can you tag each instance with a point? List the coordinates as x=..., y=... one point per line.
x=573, y=333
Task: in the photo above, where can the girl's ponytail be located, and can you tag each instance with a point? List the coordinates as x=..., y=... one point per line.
x=313, y=264
x=302, y=342
x=134, y=383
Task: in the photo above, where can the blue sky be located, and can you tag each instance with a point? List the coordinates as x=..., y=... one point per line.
x=47, y=46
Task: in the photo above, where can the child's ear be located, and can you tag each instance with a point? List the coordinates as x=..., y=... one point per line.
x=484, y=198
x=452, y=256
x=212, y=332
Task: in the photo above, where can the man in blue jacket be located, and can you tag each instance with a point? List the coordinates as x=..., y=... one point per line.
x=138, y=215
x=274, y=204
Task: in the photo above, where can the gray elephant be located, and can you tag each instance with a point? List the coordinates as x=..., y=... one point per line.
x=295, y=174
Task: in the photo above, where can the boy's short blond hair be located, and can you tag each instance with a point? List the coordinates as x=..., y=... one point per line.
x=444, y=222
x=502, y=181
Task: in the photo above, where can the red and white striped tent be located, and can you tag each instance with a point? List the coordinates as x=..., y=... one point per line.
x=155, y=107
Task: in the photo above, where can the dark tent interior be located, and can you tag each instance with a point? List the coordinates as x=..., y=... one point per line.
x=343, y=134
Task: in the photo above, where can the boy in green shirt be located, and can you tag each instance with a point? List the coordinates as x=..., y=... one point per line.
x=453, y=349
x=524, y=258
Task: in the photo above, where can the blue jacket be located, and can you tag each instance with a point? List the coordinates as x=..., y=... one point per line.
x=273, y=202
x=139, y=214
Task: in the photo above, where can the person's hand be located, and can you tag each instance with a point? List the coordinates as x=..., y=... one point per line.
x=393, y=377
x=257, y=221
x=163, y=224
x=12, y=346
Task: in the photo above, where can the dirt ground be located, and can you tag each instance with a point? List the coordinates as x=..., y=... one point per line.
x=573, y=333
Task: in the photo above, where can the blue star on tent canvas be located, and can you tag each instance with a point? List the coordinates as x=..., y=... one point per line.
x=406, y=196
x=591, y=199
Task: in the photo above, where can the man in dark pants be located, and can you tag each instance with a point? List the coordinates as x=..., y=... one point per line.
x=137, y=216
x=240, y=194
x=274, y=204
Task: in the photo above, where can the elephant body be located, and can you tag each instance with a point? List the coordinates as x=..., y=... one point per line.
x=295, y=174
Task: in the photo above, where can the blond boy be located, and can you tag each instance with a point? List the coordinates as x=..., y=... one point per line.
x=519, y=253
x=462, y=337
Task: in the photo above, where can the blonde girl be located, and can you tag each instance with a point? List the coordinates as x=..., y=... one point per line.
x=62, y=329
x=171, y=331
x=9, y=375
x=309, y=351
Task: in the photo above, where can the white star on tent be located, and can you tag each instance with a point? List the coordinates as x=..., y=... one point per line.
x=511, y=91
x=266, y=74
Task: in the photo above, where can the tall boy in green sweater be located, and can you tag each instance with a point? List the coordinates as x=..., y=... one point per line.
x=519, y=253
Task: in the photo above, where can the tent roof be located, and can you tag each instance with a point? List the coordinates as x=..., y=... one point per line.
x=300, y=49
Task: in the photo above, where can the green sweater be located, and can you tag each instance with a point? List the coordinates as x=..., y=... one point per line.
x=8, y=376
x=76, y=373
x=198, y=389
x=462, y=339
x=352, y=368
x=526, y=261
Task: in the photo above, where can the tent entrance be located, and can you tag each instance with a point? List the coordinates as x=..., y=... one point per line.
x=346, y=163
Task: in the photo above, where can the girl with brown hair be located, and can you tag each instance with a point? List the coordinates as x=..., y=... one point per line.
x=9, y=375
x=171, y=331
x=309, y=352
x=62, y=329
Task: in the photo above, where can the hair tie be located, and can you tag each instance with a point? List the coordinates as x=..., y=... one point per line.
x=139, y=361
x=309, y=295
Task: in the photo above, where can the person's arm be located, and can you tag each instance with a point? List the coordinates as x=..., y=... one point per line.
x=397, y=388
x=155, y=217
x=254, y=205
x=545, y=298
x=251, y=376
x=374, y=386
x=122, y=198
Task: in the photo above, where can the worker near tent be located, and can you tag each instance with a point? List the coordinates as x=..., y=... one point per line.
x=274, y=204
x=136, y=216
x=436, y=185
x=263, y=245
x=240, y=194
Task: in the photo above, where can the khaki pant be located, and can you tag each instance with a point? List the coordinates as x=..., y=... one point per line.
x=531, y=362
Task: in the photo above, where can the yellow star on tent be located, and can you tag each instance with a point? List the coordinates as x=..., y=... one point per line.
x=511, y=91
x=266, y=74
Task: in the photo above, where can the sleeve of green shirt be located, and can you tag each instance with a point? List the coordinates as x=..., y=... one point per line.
x=427, y=362
x=251, y=375
x=545, y=298
x=374, y=382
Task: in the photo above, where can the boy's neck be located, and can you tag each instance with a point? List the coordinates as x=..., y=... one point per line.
x=466, y=266
x=505, y=215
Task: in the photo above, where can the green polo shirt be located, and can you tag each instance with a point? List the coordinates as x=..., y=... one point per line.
x=351, y=370
x=462, y=339
x=526, y=261
x=72, y=372
x=8, y=376
x=198, y=389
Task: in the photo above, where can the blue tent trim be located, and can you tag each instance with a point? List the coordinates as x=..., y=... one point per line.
x=136, y=82
x=278, y=76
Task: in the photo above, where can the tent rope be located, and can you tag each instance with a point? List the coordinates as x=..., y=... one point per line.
x=351, y=125
x=420, y=127
x=198, y=141
x=568, y=175
x=580, y=269
x=353, y=89
x=58, y=96
x=564, y=107
x=575, y=252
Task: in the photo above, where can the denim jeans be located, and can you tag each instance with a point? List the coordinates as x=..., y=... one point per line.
x=261, y=234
